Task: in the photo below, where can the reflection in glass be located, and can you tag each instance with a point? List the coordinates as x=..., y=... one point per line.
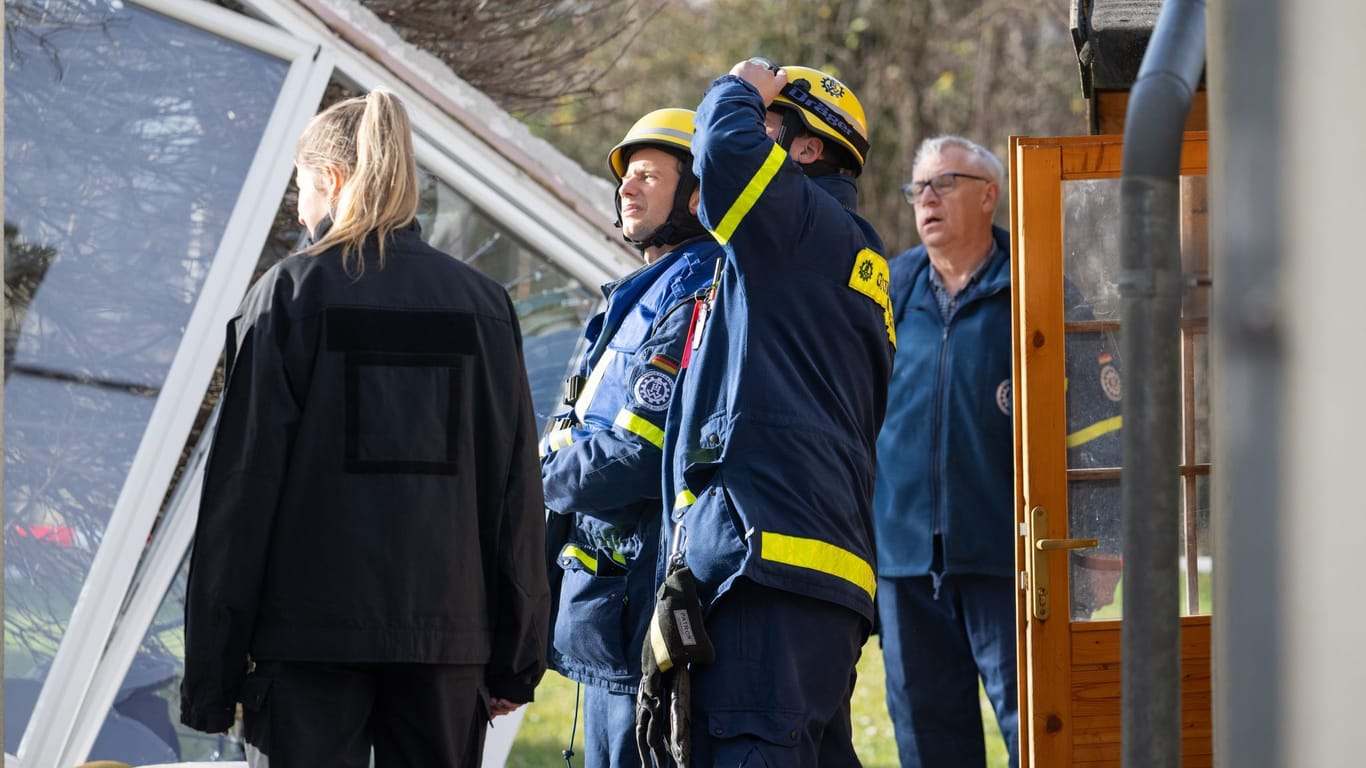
x=1095, y=574
x=127, y=139
x=551, y=306
x=1091, y=243
x=152, y=685
x=1199, y=399
x=1095, y=385
x=1197, y=597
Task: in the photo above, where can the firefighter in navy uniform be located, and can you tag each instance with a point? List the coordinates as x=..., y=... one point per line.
x=771, y=450
x=600, y=463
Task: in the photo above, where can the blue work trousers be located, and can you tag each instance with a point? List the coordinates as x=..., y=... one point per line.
x=609, y=729
x=778, y=693
x=937, y=641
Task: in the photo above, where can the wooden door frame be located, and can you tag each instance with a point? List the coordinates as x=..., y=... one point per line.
x=1039, y=366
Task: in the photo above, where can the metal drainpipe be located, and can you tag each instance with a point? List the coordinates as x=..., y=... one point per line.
x=1151, y=287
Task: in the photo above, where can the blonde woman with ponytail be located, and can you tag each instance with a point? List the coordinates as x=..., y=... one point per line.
x=368, y=574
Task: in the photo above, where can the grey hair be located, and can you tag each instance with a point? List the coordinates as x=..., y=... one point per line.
x=980, y=157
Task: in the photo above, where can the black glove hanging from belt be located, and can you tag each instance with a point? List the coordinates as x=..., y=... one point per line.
x=676, y=639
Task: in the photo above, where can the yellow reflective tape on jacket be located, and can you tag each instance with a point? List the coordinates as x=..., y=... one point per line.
x=590, y=388
x=820, y=556
x=873, y=279
x=1099, y=429
x=750, y=195
x=685, y=498
x=560, y=438
x=638, y=425
x=589, y=562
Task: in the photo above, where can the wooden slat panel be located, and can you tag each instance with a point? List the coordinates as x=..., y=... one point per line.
x=1097, y=642
x=1187, y=761
x=1096, y=726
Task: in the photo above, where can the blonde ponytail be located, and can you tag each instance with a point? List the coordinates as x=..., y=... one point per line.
x=368, y=140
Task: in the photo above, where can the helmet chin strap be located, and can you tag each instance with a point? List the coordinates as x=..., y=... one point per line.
x=790, y=128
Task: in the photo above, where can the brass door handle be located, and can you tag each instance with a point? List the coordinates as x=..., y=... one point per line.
x=1053, y=545
x=1039, y=548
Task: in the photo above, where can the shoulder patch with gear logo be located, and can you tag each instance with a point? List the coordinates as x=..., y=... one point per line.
x=652, y=390
x=1110, y=382
x=1003, y=397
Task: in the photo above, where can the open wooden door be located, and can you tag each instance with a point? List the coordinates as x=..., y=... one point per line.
x=1065, y=216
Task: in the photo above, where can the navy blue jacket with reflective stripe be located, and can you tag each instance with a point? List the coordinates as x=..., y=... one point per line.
x=602, y=475
x=771, y=448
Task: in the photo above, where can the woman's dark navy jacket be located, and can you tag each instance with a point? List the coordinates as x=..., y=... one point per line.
x=373, y=492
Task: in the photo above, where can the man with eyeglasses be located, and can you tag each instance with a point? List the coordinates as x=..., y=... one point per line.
x=944, y=497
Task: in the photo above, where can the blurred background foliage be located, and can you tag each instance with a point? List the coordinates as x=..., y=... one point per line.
x=581, y=73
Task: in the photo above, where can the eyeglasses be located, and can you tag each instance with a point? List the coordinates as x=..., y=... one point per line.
x=941, y=184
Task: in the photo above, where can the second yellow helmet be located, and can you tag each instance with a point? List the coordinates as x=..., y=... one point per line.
x=828, y=109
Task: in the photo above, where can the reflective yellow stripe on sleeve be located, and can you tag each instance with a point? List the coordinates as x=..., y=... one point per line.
x=750, y=195
x=818, y=556
x=637, y=425
x=1099, y=429
x=560, y=438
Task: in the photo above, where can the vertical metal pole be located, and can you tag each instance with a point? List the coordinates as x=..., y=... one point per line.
x=1319, y=200
x=1151, y=286
x=1247, y=144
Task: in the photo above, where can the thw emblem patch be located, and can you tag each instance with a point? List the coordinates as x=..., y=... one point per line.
x=872, y=279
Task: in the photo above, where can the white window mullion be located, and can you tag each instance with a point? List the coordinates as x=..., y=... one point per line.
x=265, y=185
x=63, y=726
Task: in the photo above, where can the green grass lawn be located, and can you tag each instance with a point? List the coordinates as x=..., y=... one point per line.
x=545, y=726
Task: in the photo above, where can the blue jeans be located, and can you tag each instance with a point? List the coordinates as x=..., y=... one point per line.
x=937, y=641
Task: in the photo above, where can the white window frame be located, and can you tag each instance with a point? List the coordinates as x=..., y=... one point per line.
x=65, y=721
x=502, y=190
x=91, y=662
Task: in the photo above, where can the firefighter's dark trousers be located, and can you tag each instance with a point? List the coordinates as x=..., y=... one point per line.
x=778, y=694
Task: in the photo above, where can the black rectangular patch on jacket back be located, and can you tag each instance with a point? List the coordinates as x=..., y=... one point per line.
x=403, y=375
x=400, y=331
